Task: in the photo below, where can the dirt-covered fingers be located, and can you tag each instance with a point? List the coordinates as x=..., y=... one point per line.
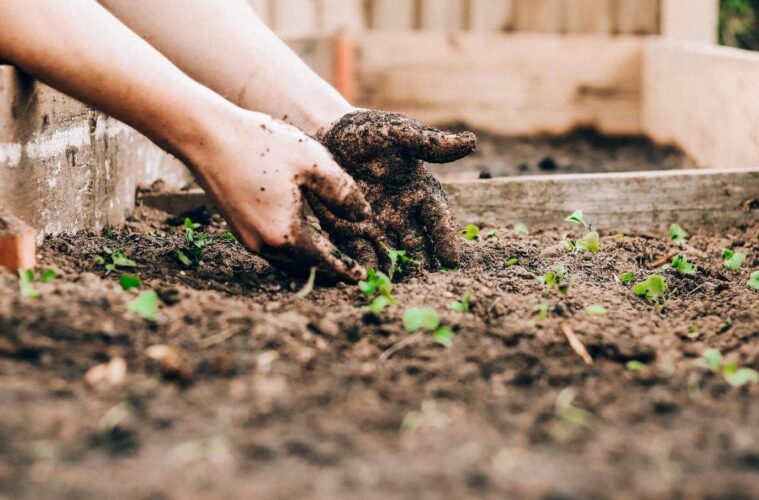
x=440, y=225
x=335, y=188
x=413, y=240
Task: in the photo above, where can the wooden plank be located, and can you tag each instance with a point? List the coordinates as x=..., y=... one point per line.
x=392, y=15
x=542, y=16
x=341, y=16
x=692, y=20
x=491, y=15
x=632, y=201
x=705, y=99
x=441, y=15
x=637, y=17
x=294, y=19
x=589, y=16
x=515, y=84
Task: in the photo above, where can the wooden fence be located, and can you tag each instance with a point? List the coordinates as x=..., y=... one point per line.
x=309, y=18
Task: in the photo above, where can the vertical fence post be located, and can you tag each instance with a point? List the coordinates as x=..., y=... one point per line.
x=491, y=15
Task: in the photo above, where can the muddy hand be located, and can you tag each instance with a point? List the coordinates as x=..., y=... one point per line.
x=385, y=153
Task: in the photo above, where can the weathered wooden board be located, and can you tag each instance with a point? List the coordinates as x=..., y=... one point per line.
x=541, y=16
x=442, y=15
x=491, y=15
x=590, y=16
x=506, y=84
x=633, y=201
x=392, y=15
x=637, y=17
x=705, y=99
x=341, y=16
x=692, y=20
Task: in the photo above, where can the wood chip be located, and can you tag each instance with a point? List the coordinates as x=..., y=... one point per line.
x=666, y=258
x=575, y=343
x=170, y=361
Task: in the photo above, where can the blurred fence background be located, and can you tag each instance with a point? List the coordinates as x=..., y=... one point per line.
x=308, y=18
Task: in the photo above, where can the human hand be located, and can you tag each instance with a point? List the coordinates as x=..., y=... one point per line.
x=256, y=170
x=385, y=153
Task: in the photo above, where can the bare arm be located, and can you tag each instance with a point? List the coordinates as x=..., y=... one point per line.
x=223, y=44
x=253, y=166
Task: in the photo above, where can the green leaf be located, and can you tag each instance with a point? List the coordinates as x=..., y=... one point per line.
x=753, y=281
x=733, y=260
x=577, y=218
x=145, y=305
x=189, y=224
x=48, y=275
x=654, y=289
x=471, y=232
x=590, y=243
x=568, y=245
x=417, y=319
x=377, y=283
x=26, y=284
x=521, y=229
x=512, y=262
x=129, y=281
x=230, y=237
x=398, y=259
x=444, y=336
x=183, y=258
x=541, y=312
x=711, y=360
x=462, y=305
x=99, y=260
x=680, y=263
x=596, y=310
x=619, y=237
x=741, y=377
x=491, y=234
x=627, y=277
x=120, y=259
x=677, y=234
x=378, y=305
x=635, y=366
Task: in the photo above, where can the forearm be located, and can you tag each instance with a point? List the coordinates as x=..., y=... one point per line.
x=81, y=49
x=224, y=45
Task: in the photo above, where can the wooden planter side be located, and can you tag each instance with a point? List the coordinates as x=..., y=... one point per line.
x=634, y=201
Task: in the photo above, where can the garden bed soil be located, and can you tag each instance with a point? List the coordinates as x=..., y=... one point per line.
x=582, y=151
x=283, y=398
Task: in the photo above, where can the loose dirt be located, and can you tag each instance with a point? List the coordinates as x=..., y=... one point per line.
x=283, y=398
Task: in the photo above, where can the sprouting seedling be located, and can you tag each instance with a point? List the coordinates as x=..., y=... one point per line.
x=654, y=289
x=590, y=243
x=378, y=305
x=26, y=279
x=559, y=277
x=196, y=242
x=577, y=218
x=619, y=237
x=677, y=234
x=570, y=415
x=129, y=281
x=712, y=360
x=596, y=310
x=230, y=237
x=118, y=259
x=427, y=319
x=733, y=260
x=471, y=232
x=145, y=305
x=521, y=229
x=398, y=259
x=512, y=262
x=491, y=234
x=541, y=311
x=680, y=263
x=627, y=277
x=635, y=366
x=753, y=281
x=461, y=305
x=377, y=283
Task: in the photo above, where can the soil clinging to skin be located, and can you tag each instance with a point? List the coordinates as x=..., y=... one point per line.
x=288, y=398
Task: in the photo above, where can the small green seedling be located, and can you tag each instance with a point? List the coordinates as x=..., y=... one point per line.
x=627, y=277
x=635, y=366
x=378, y=305
x=230, y=237
x=521, y=229
x=569, y=245
x=471, y=232
x=118, y=259
x=377, y=283
x=693, y=332
x=129, y=281
x=570, y=416
x=512, y=262
x=541, y=311
x=491, y=234
x=736, y=377
x=26, y=279
x=677, y=234
x=680, y=263
x=596, y=310
x=428, y=319
x=462, y=305
x=193, y=253
x=733, y=260
x=577, y=218
x=619, y=237
x=145, y=305
x=559, y=277
x=753, y=281
x=398, y=259
x=654, y=289
x=590, y=243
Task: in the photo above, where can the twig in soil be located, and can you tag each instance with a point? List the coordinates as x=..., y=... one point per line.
x=493, y=304
x=666, y=258
x=219, y=338
x=575, y=343
x=308, y=287
x=399, y=345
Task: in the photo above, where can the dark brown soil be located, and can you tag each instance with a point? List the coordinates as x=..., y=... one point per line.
x=290, y=398
x=582, y=151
